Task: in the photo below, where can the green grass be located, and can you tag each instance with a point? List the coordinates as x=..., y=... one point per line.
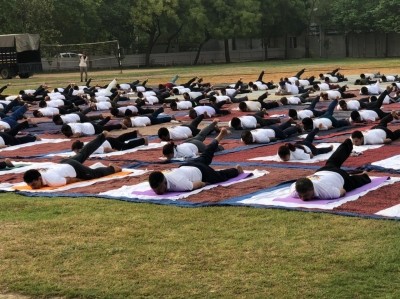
x=96, y=248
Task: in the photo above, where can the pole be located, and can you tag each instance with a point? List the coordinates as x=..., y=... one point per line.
x=119, y=58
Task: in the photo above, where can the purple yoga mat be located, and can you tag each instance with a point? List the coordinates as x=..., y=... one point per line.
x=374, y=183
x=150, y=192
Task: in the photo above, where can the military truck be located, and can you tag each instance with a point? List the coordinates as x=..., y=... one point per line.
x=19, y=55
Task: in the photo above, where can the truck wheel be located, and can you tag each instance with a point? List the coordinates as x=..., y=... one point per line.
x=5, y=73
x=24, y=75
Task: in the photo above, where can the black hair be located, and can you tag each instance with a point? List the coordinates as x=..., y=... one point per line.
x=236, y=123
x=307, y=123
x=163, y=133
x=128, y=112
x=247, y=137
x=357, y=134
x=284, y=100
x=140, y=94
x=292, y=113
x=373, y=98
x=22, y=91
x=355, y=115
x=316, y=86
x=342, y=103
x=254, y=87
x=243, y=106
x=42, y=104
x=362, y=76
x=173, y=105
x=304, y=185
x=364, y=90
x=251, y=83
x=36, y=113
x=57, y=119
x=175, y=91
x=283, y=151
x=384, y=79
x=77, y=145
x=155, y=179
x=31, y=175
x=168, y=149
x=192, y=113
x=66, y=130
x=114, y=111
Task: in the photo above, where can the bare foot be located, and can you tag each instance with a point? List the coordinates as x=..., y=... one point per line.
x=8, y=162
x=222, y=134
x=116, y=167
x=239, y=169
x=146, y=140
x=215, y=120
x=106, y=134
x=38, y=138
x=123, y=127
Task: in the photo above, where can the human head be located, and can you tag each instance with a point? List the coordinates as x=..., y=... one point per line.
x=292, y=113
x=42, y=104
x=140, y=94
x=127, y=121
x=66, y=130
x=57, y=119
x=192, y=113
x=236, y=123
x=247, y=137
x=357, y=137
x=128, y=112
x=324, y=95
x=373, y=98
x=362, y=76
x=168, y=150
x=284, y=152
x=175, y=91
x=76, y=146
x=173, y=106
x=305, y=189
x=316, y=86
x=343, y=105
x=37, y=113
x=114, y=111
x=33, y=178
x=284, y=101
x=158, y=182
x=355, y=116
x=243, y=106
x=308, y=123
x=383, y=78
x=321, y=76
x=163, y=134
x=327, y=80
x=364, y=90
x=251, y=84
x=186, y=96
x=223, y=91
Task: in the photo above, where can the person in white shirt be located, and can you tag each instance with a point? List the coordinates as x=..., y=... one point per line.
x=10, y=138
x=11, y=121
x=374, y=89
x=194, y=174
x=157, y=117
x=211, y=110
x=378, y=134
x=70, y=170
x=270, y=133
x=302, y=150
x=259, y=84
x=388, y=78
x=181, y=132
x=330, y=181
x=123, y=142
x=254, y=121
x=83, y=65
x=310, y=111
x=190, y=148
x=181, y=105
x=89, y=128
x=254, y=106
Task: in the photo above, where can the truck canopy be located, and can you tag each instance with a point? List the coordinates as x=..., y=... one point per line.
x=22, y=42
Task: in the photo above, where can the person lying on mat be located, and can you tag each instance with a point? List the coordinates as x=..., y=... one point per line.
x=330, y=181
x=6, y=163
x=181, y=132
x=254, y=121
x=310, y=111
x=270, y=133
x=10, y=138
x=123, y=142
x=191, y=147
x=302, y=150
x=194, y=174
x=378, y=134
x=157, y=117
x=70, y=170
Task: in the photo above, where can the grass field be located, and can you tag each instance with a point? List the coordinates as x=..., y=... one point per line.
x=97, y=248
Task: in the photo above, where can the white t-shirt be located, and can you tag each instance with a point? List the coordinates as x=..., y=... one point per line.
x=82, y=128
x=352, y=105
x=83, y=60
x=56, y=176
x=182, y=178
x=103, y=106
x=368, y=115
x=327, y=185
x=374, y=136
x=70, y=118
x=374, y=89
x=300, y=154
x=151, y=100
x=291, y=88
x=262, y=135
x=208, y=109
x=222, y=98
x=55, y=103
x=124, y=86
x=49, y=111
x=323, y=86
x=253, y=105
x=301, y=114
x=333, y=94
x=230, y=92
x=122, y=110
x=260, y=85
x=186, y=150
x=2, y=141
x=184, y=105
x=194, y=94
x=294, y=101
x=179, y=132
x=5, y=125
x=333, y=79
x=247, y=122
x=140, y=121
x=304, y=83
x=101, y=98
x=326, y=123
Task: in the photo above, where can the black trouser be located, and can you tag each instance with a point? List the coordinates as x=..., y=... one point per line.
x=101, y=126
x=316, y=113
x=210, y=175
x=308, y=141
x=284, y=130
x=83, y=172
x=267, y=105
x=378, y=103
x=194, y=124
x=201, y=136
x=393, y=135
x=10, y=139
x=119, y=143
x=336, y=160
x=264, y=121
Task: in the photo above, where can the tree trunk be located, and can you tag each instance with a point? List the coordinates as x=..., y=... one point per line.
x=386, y=53
x=286, y=47
x=196, y=59
x=171, y=37
x=307, y=43
x=266, y=44
x=346, y=43
x=227, y=54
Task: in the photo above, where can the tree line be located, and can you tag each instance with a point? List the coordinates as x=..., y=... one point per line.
x=140, y=25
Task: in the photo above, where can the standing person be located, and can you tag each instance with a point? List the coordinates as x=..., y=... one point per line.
x=83, y=61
